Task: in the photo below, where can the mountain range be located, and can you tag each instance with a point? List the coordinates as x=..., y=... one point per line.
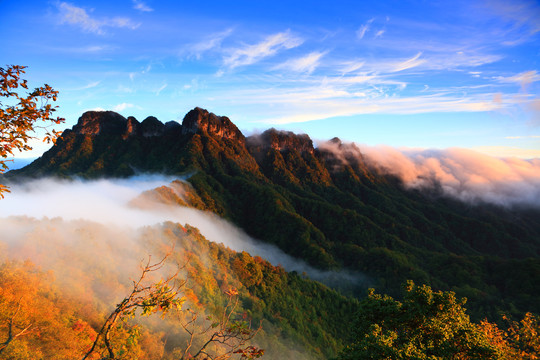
x=325, y=205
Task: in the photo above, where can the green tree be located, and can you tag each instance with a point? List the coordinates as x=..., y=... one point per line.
x=427, y=324
x=21, y=113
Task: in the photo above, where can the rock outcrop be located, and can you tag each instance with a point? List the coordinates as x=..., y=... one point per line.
x=99, y=122
x=151, y=126
x=200, y=120
x=281, y=141
x=132, y=127
x=196, y=121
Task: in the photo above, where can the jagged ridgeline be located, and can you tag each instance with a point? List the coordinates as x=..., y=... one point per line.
x=323, y=205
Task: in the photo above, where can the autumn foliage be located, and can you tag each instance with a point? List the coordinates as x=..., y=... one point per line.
x=22, y=114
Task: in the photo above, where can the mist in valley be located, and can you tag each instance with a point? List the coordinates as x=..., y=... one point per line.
x=93, y=240
x=109, y=203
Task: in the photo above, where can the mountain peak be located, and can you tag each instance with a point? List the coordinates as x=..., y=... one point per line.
x=282, y=140
x=200, y=120
x=98, y=122
x=151, y=126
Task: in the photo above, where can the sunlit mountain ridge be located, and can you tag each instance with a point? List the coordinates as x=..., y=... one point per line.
x=331, y=206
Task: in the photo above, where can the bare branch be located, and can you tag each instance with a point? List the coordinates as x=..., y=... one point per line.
x=160, y=296
x=231, y=335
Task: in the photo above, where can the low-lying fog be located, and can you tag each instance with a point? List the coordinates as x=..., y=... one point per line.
x=107, y=202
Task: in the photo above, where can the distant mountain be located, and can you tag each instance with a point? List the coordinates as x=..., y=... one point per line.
x=324, y=205
x=19, y=163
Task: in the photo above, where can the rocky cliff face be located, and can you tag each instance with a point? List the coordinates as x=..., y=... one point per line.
x=132, y=127
x=200, y=120
x=111, y=123
x=281, y=141
x=196, y=121
x=99, y=122
x=151, y=126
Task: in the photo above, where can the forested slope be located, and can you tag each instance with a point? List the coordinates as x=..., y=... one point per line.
x=63, y=292
x=324, y=205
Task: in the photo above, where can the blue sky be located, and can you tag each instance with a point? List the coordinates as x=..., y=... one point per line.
x=420, y=74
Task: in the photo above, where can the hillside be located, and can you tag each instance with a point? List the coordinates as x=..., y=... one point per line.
x=324, y=205
x=65, y=300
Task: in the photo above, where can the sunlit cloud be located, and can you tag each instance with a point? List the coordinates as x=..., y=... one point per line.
x=78, y=16
x=251, y=54
x=141, y=6
x=465, y=174
x=305, y=64
x=379, y=33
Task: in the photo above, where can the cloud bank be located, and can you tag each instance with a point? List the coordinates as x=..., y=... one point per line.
x=463, y=174
x=108, y=203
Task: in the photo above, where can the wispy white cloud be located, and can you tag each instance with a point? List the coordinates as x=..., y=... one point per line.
x=351, y=66
x=141, y=6
x=350, y=96
x=124, y=89
x=443, y=59
x=306, y=64
x=524, y=79
x=89, y=49
x=379, y=33
x=355, y=79
x=91, y=85
x=251, y=54
x=78, y=16
x=361, y=32
x=161, y=89
x=303, y=111
x=122, y=106
x=193, y=85
x=408, y=64
x=521, y=13
x=212, y=42
x=523, y=137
